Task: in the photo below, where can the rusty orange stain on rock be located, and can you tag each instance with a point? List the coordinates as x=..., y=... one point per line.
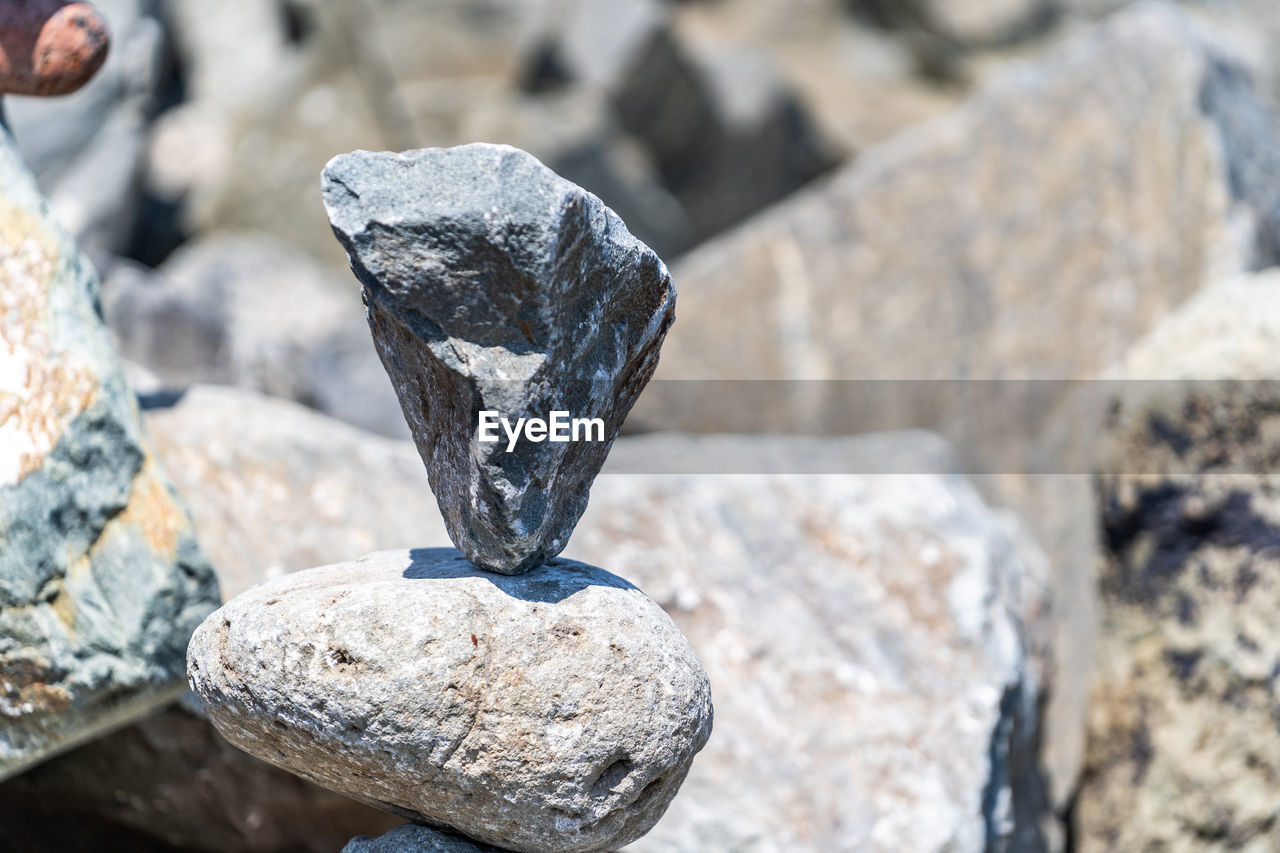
x=27, y=685
x=49, y=47
x=151, y=510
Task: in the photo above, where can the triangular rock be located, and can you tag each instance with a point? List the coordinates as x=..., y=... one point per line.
x=494, y=285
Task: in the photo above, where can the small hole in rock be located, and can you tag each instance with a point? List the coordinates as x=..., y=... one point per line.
x=612, y=776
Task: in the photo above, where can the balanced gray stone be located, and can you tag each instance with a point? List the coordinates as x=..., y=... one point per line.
x=493, y=284
x=101, y=581
x=415, y=838
x=553, y=712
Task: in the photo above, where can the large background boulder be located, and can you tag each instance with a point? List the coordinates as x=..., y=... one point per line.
x=101, y=580
x=1032, y=234
x=762, y=572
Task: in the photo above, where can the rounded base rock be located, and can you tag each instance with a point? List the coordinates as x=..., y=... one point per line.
x=551, y=712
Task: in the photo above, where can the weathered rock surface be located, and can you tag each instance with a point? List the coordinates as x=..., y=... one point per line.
x=50, y=47
x=1182, y=739
x=493, y=284
x=211, y=313
x=415, y=838
x=876, y=644
x=171, y=782
x=555, y=711
x=101, y=581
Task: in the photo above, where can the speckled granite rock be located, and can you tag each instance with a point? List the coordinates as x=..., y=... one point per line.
x=414, y=838
x=101, y=581
x=1183, y=745
x=552, y=712
x=493, y=284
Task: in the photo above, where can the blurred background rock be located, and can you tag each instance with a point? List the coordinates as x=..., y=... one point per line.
x=845, y=189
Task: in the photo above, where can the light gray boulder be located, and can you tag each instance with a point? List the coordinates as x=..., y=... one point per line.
x=415, y=838
x=101, y=580
x=877, y=643
x=943, y=228
x=252, y=466
x=552, y=712
x=494, y=285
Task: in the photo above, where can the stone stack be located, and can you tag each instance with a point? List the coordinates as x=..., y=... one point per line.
x=519, y=700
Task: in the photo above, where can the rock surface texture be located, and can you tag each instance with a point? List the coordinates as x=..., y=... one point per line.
x=49, y=47
x=1183, y=743
x=553, y=712
x=254, y=466
x=1144, y=96
x=493, y=284
x=101, y=581
x=876, y=643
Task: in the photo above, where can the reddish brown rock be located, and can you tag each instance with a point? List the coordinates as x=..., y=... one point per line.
x=49, y=47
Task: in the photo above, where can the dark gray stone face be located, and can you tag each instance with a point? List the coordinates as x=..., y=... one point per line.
x=492, y=284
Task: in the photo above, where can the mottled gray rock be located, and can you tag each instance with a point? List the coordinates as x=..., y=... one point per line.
x=211, y=313
x=101, y=581
x=415, y=838
x=936, y=210
x=1182, y=720
x=493, y=284
x=170, y=782
x=552, y=712
x=971, y=24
